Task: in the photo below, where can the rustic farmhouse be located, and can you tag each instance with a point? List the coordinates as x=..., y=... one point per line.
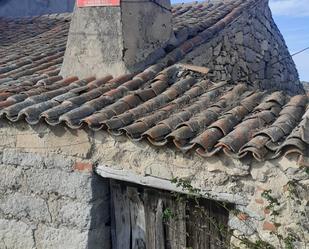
x=146, y=125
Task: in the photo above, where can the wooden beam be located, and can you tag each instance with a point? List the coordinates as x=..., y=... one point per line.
x=165, y=184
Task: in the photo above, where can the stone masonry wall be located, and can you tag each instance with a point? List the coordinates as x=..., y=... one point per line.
x=46, y=203
x=49, y=200
x=251, y=50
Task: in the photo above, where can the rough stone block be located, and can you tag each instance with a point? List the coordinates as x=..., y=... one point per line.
x=36, y=160
x=246, y=227
x=10, y=178
x=58, y=161
x=47, y=181
x=15, y=157
x=20, y=206
x=239, y=38
x=53, y=238
x=66, y=144
x=15, y=235
x=75, y=185
x=84, y=215
x=75, y=214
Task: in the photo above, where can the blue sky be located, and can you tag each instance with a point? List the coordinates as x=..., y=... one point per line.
x=292, y=18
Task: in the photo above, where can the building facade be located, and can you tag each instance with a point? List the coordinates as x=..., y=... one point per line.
x=217, y=113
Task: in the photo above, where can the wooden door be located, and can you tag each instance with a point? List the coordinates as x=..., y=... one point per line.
x=144, y=218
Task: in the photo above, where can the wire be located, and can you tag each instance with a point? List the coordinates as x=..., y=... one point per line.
x=292, y=55
x=299, y=52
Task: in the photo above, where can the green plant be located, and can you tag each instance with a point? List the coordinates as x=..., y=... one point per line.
x=168, y=214
x=273, y=202
x=195, y=194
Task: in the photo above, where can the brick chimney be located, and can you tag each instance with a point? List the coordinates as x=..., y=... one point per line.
x=115, y=36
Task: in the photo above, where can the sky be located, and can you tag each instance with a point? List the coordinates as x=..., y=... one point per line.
x=292, y=18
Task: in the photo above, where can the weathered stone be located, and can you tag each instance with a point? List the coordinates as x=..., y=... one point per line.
x=227, y=43
x=21, y=206
x=217, y=49
x=264, y=45
x=250, y=55
x=246, y=227
x=58, y=161
x=239, y=38
x=15, y=157
x=15, y=235
x=53, y=238
x=10, y=178
x=54, y=144
x=82, y=215
x=44, y=181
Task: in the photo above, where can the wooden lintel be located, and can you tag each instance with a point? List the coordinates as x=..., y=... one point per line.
x=164, y=184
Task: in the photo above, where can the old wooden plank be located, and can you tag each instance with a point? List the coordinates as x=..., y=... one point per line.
x=138, y=224
x=112, y=217
x=199, y=69
x=198, y=226
x=176, y=224
x=121, y=225
x=160, y=238
x=165, y=184
x=150, y=204
x=222, y=215
x=216, y=241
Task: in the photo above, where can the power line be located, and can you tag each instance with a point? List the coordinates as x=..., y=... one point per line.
x=289, y=56
x=299, y=52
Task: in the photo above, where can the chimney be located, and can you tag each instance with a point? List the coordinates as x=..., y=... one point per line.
x=115, y=36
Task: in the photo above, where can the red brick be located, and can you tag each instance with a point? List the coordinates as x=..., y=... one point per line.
x=83, y=167
x=242, y=216
x=285, y=188
x=269, y=226
x=259, y=201
x=266, y=211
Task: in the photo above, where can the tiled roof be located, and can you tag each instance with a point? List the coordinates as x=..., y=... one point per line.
x=166, y=104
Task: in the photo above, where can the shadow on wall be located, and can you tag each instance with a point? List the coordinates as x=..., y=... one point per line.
x=99, y=235
x=23, y=8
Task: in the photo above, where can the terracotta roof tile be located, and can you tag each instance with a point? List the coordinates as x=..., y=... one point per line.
x=165, y=104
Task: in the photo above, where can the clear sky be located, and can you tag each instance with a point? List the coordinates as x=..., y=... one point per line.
x=292, y=18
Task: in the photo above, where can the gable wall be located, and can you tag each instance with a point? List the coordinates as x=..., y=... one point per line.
x=251, y=50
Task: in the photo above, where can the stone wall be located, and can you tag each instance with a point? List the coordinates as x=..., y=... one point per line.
x=44, y=201
x=50, y=200
x=252, y=50
x=22, y=8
